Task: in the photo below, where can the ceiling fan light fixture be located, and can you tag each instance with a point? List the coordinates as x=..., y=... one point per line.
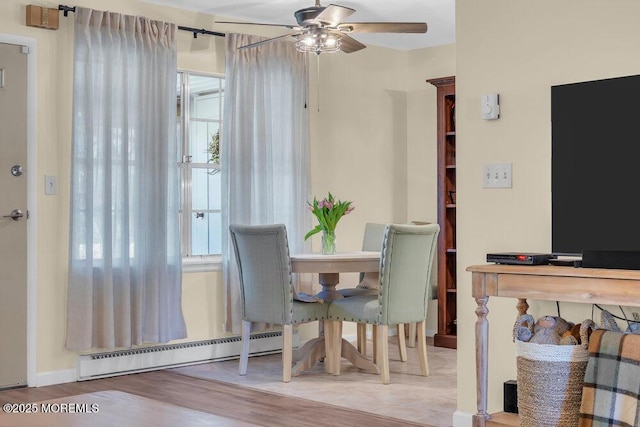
x=318, y=42
x=323, y=29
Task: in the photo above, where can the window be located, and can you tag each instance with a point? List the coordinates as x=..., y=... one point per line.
x=199, y=114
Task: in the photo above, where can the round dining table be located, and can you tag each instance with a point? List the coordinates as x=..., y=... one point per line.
x=329, y=268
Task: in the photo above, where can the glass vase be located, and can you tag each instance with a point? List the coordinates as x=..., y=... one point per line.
x=328, y=242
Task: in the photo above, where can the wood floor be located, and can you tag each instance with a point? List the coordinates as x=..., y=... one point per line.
x=234, y=402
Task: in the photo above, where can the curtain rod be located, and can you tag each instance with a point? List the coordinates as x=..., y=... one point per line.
x=66, y=9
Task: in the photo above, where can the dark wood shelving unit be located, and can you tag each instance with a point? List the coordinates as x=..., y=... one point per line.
x=447, y=263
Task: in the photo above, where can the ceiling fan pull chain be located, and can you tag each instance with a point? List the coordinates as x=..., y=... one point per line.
x=318, y=80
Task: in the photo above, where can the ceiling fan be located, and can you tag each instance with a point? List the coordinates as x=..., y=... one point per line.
x=322, y=29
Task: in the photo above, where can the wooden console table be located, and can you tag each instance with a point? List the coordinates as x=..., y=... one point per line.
x=546, y=283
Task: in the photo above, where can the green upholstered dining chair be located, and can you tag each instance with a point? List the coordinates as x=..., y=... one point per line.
x=368, y=285
x=405, y=270
x=266, y=288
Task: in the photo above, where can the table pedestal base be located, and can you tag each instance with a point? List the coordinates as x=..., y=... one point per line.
x=313, y=351
x=329, y=281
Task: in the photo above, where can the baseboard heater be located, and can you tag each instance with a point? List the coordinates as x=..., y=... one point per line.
x=142, y=359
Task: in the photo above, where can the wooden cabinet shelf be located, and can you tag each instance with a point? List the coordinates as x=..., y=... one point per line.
x=446, y=139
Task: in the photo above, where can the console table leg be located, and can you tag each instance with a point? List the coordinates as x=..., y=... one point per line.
x=482, y=365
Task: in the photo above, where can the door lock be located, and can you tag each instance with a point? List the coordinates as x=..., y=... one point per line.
x=16, y=170
x=15, y=215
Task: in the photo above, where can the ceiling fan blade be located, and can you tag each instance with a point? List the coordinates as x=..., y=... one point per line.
x=333, y=14
x=383, y=27
x=261, y=42
x=349, y=44
x=291, y=27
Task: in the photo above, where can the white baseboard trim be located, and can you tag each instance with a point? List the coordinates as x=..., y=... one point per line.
x=462, y=419
x=64, y=376
x=56, y=377
x=164, y=356
x=150, y=358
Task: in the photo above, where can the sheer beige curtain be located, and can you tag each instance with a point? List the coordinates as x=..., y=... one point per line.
x=265, y=149
x=124, y=255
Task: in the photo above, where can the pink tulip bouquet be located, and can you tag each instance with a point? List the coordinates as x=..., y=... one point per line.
x=328, y=212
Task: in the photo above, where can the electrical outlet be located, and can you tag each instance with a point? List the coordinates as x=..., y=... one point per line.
x=497, y=175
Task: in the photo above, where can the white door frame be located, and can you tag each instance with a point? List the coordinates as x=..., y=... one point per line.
x=32, y=186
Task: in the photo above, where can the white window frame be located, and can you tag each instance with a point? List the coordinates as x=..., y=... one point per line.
x=192, y=263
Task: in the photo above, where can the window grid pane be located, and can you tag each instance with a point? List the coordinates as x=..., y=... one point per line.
x=199, y=119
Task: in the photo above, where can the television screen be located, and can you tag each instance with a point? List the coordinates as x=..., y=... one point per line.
x=595, y=166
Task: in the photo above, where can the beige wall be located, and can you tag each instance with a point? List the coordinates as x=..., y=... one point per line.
x=520, y=49
x=373, y=142
x=374, y=137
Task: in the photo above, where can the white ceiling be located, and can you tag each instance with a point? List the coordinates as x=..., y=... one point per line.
x=438, y=14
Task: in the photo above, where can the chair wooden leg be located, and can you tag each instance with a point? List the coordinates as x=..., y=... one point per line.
x=402, y=345
x=362, y=338
x=374, y=338
x=287, y=352
x=422, y=349
x=244, y=354
x=336, y=347
x=382, y=338
x=411, y=341
x=328, y=342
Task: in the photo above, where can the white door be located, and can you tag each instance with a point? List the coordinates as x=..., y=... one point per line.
x=13, y=216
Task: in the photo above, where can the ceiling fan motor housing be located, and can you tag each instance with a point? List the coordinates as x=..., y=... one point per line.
x=306, y=16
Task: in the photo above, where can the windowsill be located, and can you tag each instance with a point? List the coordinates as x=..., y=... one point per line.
x=196, y=264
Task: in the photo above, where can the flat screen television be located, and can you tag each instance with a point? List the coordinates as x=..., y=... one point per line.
x=595, y=166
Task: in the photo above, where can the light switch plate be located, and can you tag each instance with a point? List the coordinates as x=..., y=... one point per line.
x=496, y=175
x=50, y=185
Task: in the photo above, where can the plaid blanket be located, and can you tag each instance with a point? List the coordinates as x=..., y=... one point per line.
x=612, y=381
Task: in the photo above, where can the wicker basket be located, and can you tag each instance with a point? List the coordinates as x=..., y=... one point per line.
x=550, y=380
